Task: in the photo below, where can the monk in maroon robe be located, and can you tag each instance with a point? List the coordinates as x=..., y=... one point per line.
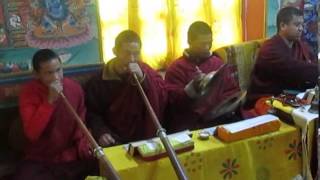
x=116, y=111
x=187, y=109
x=56, y=148
x=283, y=62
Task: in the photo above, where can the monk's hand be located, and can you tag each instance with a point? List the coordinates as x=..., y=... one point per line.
x=197, y=81
x=106, y=140
x=135, y=68
x=55, y=88
x=84, y=149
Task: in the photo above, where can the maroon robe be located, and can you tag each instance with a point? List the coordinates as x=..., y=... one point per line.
x=54, y=138
x=116, y=106
x=185, y=112
x=52, y=130
x=279, y=67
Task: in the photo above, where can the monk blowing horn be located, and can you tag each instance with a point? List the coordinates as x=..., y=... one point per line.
x=161, y=132
x=98, y=151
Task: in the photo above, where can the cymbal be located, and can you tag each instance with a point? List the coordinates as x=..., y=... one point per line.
x=226, y=106
x=208, y=79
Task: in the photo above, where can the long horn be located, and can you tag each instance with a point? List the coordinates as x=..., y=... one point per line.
x=161, y=132
x=98, y=151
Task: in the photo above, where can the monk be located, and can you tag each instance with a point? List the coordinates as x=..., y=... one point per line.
x=56, y=148
x=116, y=111
x=283, y=62
x=187, y=109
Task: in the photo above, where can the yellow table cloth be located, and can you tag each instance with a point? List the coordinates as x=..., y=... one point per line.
x=306, y=121
x=272, y=156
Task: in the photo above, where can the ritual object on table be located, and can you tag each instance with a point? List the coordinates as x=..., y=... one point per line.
x=153, y=149
x=205, y=133
x=315, y=102
x=248, y=128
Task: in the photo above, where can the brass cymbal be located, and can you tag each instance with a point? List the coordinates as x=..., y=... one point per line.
x=226, y=106
x=208, y=79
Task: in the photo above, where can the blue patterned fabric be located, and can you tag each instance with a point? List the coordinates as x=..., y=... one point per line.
x=310, y=24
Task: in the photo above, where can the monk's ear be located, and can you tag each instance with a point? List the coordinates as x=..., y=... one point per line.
x=114, y=50
x=283, y=26
x=35, y=74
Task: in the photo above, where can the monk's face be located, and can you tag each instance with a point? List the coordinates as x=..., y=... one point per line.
x=201, y=45
x=126, y=53
x=50, y=71
x=293, y=30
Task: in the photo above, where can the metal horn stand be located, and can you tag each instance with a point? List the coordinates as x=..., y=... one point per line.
x=161, y=133
x=98, y=151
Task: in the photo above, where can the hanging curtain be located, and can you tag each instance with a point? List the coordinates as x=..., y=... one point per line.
x=254, y=19
x=163, y=24
x=113, y=19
